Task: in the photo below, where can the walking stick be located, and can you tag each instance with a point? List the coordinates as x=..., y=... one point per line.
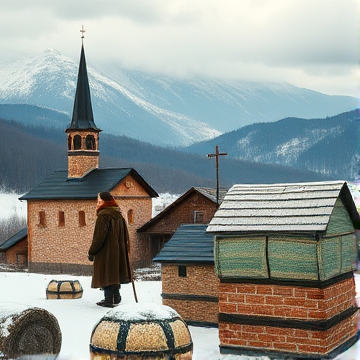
x=130, y=271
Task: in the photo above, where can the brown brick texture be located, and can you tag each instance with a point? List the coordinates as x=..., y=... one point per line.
x=200, y=280
x=290, y=303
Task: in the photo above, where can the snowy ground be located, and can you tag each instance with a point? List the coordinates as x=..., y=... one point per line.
x=77, y=317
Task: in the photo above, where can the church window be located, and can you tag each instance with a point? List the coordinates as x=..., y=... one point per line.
x=130, y=216
x=61, y=218
x=69, y=142
x=42, y=219
x=82, y=221
x=182, y=271
x=90, y=142
x=77, y=142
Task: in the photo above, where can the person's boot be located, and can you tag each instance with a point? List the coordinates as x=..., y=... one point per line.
x=109, y=298
x=117, y=297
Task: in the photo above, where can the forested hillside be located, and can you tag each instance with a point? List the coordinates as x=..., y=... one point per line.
x=28, y=154
x=330, y=145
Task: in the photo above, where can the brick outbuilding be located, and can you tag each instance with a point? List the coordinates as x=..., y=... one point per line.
x=195, y=206
x=284, y=255
x=189, y=283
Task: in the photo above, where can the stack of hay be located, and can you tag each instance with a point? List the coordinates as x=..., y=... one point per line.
x=28, y=331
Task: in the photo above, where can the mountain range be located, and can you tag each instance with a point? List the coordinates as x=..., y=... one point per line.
x=28, y=154
x=329, y=146
x=154, y=108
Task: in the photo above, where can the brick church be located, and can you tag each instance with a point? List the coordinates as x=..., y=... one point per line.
x=61, y=210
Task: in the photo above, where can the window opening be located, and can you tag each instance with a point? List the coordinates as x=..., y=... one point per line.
x=90, y=142
x=61, y=218
x=198, y=217
x=130, y=216
x=77, y=142
x=182, y=271
x=82, y=221
x=42, y=219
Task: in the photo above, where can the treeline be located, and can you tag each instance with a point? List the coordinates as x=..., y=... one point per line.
x=28, y=154
x=10, y=226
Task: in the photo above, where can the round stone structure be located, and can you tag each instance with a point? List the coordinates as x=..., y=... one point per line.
x=64, y=289
x=141, y=332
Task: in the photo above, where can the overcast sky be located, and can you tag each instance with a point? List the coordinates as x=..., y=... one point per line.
x=308, y=43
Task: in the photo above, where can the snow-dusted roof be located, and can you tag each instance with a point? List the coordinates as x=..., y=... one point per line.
x=295, y=207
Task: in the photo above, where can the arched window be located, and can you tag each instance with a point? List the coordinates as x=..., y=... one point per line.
x=90, y=142
x=69, y=142
x=77, y=142
x=130, y=216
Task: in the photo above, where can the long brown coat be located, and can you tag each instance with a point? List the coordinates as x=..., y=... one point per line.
x=109, y=248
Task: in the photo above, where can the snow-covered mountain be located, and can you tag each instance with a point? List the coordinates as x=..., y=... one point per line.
x=328, y=146
x=157, y=108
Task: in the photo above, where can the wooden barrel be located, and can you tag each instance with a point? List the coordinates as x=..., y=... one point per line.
x=64, y=289
x=28, y=332
x=141, y=331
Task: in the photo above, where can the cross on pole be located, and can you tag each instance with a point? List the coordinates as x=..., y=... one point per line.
x=82, y=32
x=216, y=156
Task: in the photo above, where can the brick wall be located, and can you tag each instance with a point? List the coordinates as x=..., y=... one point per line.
x=291, y=340
x=269, y=302
x=183, y=213
x=17, y=254
x=287, y=301
x=197, y=292
x=78, y=165
x=61, y=248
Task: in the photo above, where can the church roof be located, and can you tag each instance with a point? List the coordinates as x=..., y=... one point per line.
x=16, y=238
x=82, y=117
x=189, y=244
x=59, y=187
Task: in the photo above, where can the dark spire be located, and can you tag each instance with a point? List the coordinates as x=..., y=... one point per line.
x=82, y=117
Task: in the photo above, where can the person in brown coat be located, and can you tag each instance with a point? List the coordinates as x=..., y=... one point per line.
x=109, y=250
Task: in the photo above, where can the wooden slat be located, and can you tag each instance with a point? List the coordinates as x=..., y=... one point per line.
x=299, y=203
x=273, y=212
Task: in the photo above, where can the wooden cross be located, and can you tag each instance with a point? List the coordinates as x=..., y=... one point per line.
x=216, y=156
x=82, y=31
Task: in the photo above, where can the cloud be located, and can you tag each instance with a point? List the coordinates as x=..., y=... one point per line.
x=266, y=39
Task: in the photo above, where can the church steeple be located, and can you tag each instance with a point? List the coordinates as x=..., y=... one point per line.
x=83, y=134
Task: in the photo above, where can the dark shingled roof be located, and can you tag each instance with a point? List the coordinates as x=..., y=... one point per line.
x=82, y=117
x=20, y=235
x=189, y=244
x=58, y=186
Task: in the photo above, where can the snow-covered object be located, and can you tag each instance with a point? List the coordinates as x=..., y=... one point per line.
x=64, y=289
x=28, y=333
x=141, y=331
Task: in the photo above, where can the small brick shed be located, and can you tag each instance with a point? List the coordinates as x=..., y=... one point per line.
x=16, y=249
x=284, y=254
x=189, y=284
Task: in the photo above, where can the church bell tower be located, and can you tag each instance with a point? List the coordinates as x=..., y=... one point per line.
x=82, y=134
